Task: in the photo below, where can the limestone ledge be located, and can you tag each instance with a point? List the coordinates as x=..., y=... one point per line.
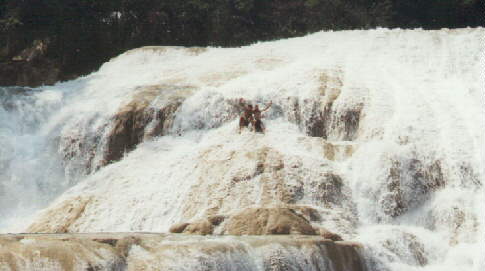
x=157, y=251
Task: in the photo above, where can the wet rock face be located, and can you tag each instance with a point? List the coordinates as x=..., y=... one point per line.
x=329, y=235
x=225, y=181
x=178, y=228
x=61, y=219
x=18, y=253
x=208, y=110
x=262, y=176
x=142, y=118
x=330, y=190
x=137, y=120
x=320, y=117
x=468, y=177
x=148, y=251
x=332, y=124
x=415, y=252
x=409, y=184
x=252, y=221
x=130, y=127
x=202, y=226
x=262, y=221
x=78, y=151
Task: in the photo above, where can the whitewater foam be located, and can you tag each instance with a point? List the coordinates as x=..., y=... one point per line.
x=416, y=102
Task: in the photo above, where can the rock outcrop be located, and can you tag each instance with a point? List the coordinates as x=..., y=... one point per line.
x=220, y=179
x=294, y=220
x=262, y=221
x=62, y=218
x=320, y=116
x=151, y=251
x=329, y=235
x=30, y=67
x=57, y=253
x=138, y=120
x=144, y=116
x=202, y=226
x=409, y=184
x=149, y=113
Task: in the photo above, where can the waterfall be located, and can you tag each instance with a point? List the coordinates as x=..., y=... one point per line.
x=380, y=133
x=31, y=173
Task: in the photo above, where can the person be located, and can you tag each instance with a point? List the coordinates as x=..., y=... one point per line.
x=257, y=123
x=246, y=116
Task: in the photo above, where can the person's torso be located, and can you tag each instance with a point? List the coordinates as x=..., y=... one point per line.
x=257, y=114
x=248, y=114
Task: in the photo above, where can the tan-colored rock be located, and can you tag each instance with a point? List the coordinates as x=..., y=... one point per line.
x=45, y=253
x=155, y=251
x=216, y=220
x=262, y=221
x=309, y=213
x=319, y=117
x=124, y=244
x=149, y=113
x=178, y=228
x=61, y=218
x=329, y=235
x=350, y=244
x=202, y=227
x=131, y=125
x=337, y=151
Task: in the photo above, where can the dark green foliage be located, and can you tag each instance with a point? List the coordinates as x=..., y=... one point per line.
x=84, y=33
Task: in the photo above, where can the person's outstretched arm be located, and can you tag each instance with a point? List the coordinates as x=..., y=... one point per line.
x=267, y=107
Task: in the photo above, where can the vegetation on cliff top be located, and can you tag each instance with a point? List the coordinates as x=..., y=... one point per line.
x=83, y=34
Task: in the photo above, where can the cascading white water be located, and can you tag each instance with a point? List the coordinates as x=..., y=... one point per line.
x=30, y=171
x=403, y=117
